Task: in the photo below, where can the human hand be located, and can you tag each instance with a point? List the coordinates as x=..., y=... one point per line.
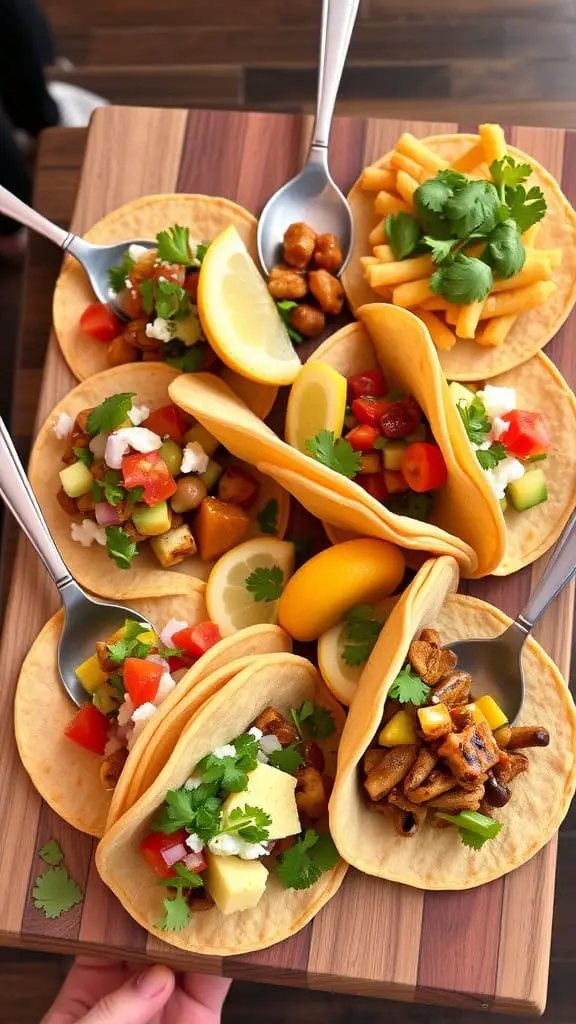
x=112, y=992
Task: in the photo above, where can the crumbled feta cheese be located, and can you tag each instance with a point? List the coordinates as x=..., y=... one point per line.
x=503, y=474
x=270, y=743
x=160, y=329
x=231, y=846
x=112, y=295
x=112, y=745
x=136, y=251
x=227, y=750
x=255, y=732
x=499, y=427
x=194, y=458
x=192, y=783
x=86, y=532
x=63, y=426
x=126, y=710
x=119, y=441
x=138, y=413
x=194, y=843
x=165, y=686
x=140, y=716
x=128, y=284
x=171, y=627
x=98, y=445
x=498, y=401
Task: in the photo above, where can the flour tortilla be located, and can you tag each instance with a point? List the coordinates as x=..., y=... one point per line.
x=91, y=566
x=533, y=330
x=283, y=681
x=206, y=217
x=436, y=858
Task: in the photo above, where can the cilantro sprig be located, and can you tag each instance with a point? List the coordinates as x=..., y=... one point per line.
x=318, y=722
x=287, y=759
x=120, y=547
x=285, y=307
x=183, y=879
x=361, y=631
x=403, y=233
x=338, y=454
x=408, y=688
x=265, y=583
x=197, y=810
x=117, y=274
x=110, y=413
x=176, y=914
x=231, y=772
x=51, y=853
x=490, y=457
x=247, y=823
x=55, y=892
x=174, y=245
x=84, y=455
x=475, y=829
x=475, y=419
x=301, y=865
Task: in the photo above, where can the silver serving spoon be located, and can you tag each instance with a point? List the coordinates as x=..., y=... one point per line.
x=495, y=664
x=96, y=259
x=86, y=619
x=312, y=195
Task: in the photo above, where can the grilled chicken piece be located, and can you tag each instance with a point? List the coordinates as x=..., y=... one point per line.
x=430, y=662
x=509, y=766
x=273, y=723
x=373, y=758
x=458, y=799
x=420, y=770
x=393, y=767
x=462, y=717
x=430, y=636
x=439, y=781
x=311, y=793
x=470, y=753
x=453, y=688
x=480, y=780
x=111, y=769
x=528, y=736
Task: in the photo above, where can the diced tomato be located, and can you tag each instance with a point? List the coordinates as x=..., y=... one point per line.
x=369, y=383
x=167, y=420
x=150, y=472
x=175, y=663
x=161, y=852
x=527, y=434
x=191, y=285
x=363, y=437
x=423, y=467
x=374, y=484
x=400, y=418
x=141, y=679
x=89, y=729
x=369, y=410
x=196, y=862
x=196, y=640
x=100, y=322
x=238, y=486
x=395, y=482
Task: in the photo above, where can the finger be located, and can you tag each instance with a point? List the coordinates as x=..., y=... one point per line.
x=137, y=1001
x=88, y=980
x=209, y=990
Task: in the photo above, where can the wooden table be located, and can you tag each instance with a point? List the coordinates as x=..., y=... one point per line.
x=488, y=948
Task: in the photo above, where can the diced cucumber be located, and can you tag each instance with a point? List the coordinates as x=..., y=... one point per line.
x=460, y=393
x=393, y=454
x=212, y=475
x=199, y=433
x=171, y=453
x=529, y=491
x=418, y=434
x=76, y=480
x=152, y=521
x=106, y=698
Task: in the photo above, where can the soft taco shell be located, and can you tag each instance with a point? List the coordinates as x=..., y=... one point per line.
x=91, y=566
x=467, y=360
x=282, y=681
x=205, y=216
x=436, y=858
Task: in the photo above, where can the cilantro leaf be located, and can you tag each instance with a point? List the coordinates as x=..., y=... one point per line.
x=440, y=248
x=408, y=688
x=174, y=245
x=171, y=300
x=288, y=759
x=505, y=251
x=55, y=892
x=51, y=853
x=201, y=250
x=176, y=914
x=403, y=233
x=475, y=207
x=475, y=419
x=84, y=455
x=506, y=172
x=433, y=194
x=361, y=631
x=301, y=866
x=268, y=517
x=147, y=291
x=526, y=207
x=135, y=494
x=113, y=489
x=338, y=455
x=472, y=839
x=285, y=306
x=247, y=751
x=117, y=275
x=197, y=810
x=129, y=644
x=490, y=457
x=120, y=548
x=249, y=823
x=184, y=879
x=192, y=359
x=265, y=583
x=229, y=772
x=97, y=491
x=318, y=721
x=110, y=413
x=465, y=279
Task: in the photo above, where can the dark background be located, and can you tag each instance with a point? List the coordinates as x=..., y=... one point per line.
x=505, y=60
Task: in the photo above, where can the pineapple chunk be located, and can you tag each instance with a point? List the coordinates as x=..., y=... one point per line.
x=90, y=674
x=477, y=713
x=234, y=884
x=272, y=791
x=435, y=721
x=401, y=729
x=492, y=712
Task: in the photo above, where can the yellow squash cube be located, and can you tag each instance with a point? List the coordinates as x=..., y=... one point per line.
x=234, y=884
x=272, y=791
x=477, y=713
x=149, y=638
x=399, y=730
x=435, y=721
x=492, y=712
x=90, y=674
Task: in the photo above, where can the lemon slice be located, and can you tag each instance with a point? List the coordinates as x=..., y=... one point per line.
x=341, y=678
x=239, y=316
x=317, y=402
x=230, y=603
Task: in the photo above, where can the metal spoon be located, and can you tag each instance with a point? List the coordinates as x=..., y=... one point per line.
x=96, y=259
x=86, y=619
x=312, y=195
x=495, y=664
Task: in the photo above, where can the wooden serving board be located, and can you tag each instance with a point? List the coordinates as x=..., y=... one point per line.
x=487, y=948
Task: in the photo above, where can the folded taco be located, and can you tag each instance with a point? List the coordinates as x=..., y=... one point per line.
x=139, y=684
x=139, y=499
x=228, y=850
x=434, y=788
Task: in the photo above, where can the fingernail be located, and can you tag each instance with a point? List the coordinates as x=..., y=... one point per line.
x=153, y=981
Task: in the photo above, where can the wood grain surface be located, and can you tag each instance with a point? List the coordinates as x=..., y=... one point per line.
x=487, y=948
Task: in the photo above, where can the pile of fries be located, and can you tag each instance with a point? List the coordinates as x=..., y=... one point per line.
x=407, y=282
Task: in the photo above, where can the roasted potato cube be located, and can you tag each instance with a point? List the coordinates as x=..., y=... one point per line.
x=174, y=546
x=272, y=723
x=509, y=766
x=453, y=688
x=429, y=661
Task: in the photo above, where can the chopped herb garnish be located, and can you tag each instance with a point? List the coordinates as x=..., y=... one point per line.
x=288, y=759
x=464, y=279
x=84, y=455
x=265, y=583
x=247, y=823
x=475, y=828
x=51, y=853
x=231, y=772
x=171, y=300
x=408, y=688
x=301, y=866
x=317, y=721
x=114, y=492
x=197, y=810
x=176, y=914
x=117, y=275
x=402, y=233
x=284, y=308
x=121, y=548
x=338, y=454
x=183, y=879
x=55, y=892
x=268, y=517
x=192, y=360
x=174, y=245
x=147, y=291
x=490, y=457
x=110, y=414
x=361, y=631
x=475, y=419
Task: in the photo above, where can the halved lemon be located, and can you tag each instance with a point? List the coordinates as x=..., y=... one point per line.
x=317, y=402
x=232, y=602
x=341, y=678
x=239, y=316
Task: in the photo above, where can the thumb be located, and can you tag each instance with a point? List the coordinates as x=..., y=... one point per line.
x=136, y=1002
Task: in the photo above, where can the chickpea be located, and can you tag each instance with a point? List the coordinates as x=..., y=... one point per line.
x=327, y=290
x=120, y=352
x=135, y=335
x=299, y=241
x=285, y=283
x=327, y=253
x=307, y=320
x=190, y=492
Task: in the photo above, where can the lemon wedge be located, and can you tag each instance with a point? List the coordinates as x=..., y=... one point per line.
x=239, y=316
x=232, y=602
x=317, y=402
x=341, y=678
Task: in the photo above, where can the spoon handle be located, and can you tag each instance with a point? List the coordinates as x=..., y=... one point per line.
x=338, y=17
x=559, y=571
x=16, y=491
x=13, y=207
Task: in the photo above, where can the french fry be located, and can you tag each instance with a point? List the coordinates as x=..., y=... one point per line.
x=406, y=186
x=495, y=331
x=468, y=317
x=404, y=163
x=384, y=254
x=368, y=261
x=493, y=142
x=385, y=292
x=412, y=293
x=441, y=335
x=409, y=146
x=375, y=178
x=386, y=203
x=437, y=302
x=378, y=234
x=531, y=273
x=451, y=314
x=399, y=272
x=469, y=159
x=516, y=301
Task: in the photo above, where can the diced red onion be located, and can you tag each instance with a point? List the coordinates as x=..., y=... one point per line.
x=195, y=861
x=106, y=514
x=172, y=854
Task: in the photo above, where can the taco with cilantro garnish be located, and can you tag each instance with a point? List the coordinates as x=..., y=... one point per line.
x=140, y=499
x=228, y=851
x=434, y=787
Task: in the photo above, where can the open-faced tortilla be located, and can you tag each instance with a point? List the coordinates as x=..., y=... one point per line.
x=436, y=858
x=282, y=681
x=206, y=217
x=92, y=566
x=467, y=360
x=67, y=776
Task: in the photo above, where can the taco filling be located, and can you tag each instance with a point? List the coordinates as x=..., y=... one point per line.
x=305, y=285
x=134, y=474
x=250, y=807
x=443, y=756
x=507, y=440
